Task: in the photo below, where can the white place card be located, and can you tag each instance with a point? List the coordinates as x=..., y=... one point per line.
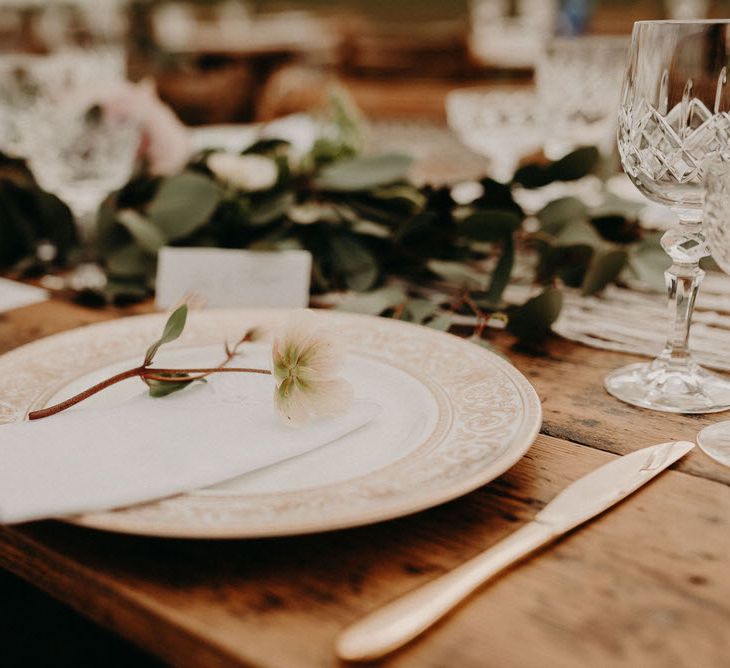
x=221, y=278
x=14, y=295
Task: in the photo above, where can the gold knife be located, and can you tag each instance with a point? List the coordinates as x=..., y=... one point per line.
x=398, y=622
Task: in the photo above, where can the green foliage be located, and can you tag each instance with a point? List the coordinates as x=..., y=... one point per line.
x=532, y=320
x=364, y=224
x=490, y=225
x=574, y=166
x=459, y=275
x=182, y=204
x=352, y=260
x=604, y=269
x=161, y=388
x=146, y=235
x=29, y=217
x=375, y=302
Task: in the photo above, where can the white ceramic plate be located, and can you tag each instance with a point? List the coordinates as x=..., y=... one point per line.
x=455, y=416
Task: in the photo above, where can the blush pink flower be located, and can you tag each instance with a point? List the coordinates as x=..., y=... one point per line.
x=165, y=141
x=306, y=360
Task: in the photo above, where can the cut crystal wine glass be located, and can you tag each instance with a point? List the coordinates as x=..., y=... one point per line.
x=715, y=439
x=673, y=117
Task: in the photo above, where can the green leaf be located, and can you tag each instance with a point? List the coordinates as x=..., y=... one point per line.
x=418, y=310
x=532, y=320
x=125, y=291
x=390, y=212
x=173, y=328
x=375, y=302
x=128, y=261
x=442, y=322
x=573, y=166
x=406, y=192
x=370, y=229
x=578, y=232
x=364, y=173
x=271, y=209
x=106, y=226
x=533, y=176
x=709, y=264
x=613, y=205
x=569, y=263
x=649, y=264
x=458, y=274
x=502, y=272
x=161, y=388
x=354, y=261
x=617, y=229
x=490, y=225
x=267, y=147
x=183, y=203
x=603, y=269
x=417, y=228
x=576, y=165
x=555, y=215
x=145, y=234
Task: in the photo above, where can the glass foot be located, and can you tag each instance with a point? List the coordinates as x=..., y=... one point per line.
x=666, y=386
x=715, y=442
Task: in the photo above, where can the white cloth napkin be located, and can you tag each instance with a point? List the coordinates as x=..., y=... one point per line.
x=94, y=459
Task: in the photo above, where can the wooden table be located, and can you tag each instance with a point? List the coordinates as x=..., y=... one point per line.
x=648, y=584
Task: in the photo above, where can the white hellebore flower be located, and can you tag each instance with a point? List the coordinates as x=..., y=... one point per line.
x=244, y=172
x=306, y=360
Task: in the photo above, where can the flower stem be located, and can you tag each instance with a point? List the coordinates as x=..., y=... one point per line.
x=158, y=374
x=57, y=408
x=141, y=372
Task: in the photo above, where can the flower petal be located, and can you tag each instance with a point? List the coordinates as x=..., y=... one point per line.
x=298, y=404
x=289, y=404
x=328, y=398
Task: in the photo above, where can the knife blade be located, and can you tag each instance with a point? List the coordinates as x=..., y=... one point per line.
x=398, y=622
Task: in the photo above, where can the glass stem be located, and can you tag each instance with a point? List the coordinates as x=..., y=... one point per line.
x=685, y=245
x=85, y=220
x=88, y=275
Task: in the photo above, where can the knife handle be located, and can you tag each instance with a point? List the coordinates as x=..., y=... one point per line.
x=398, y=622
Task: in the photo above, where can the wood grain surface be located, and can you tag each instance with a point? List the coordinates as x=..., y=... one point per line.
x=646, y=584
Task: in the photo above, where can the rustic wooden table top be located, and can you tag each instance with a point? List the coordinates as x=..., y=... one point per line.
x=647, y=584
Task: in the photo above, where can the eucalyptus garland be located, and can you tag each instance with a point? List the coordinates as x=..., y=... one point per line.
x=368, y=228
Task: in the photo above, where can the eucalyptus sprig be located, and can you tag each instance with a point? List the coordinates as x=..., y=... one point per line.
x=366, y=226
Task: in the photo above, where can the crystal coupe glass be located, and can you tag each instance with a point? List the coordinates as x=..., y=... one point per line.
x=673, y=117
x=76, y=148
x=578, y=85
x=502, y=125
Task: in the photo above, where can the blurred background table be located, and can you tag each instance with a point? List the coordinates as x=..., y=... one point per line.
x=240, y=60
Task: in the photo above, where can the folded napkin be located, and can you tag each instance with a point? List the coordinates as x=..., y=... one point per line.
x=94, y=459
